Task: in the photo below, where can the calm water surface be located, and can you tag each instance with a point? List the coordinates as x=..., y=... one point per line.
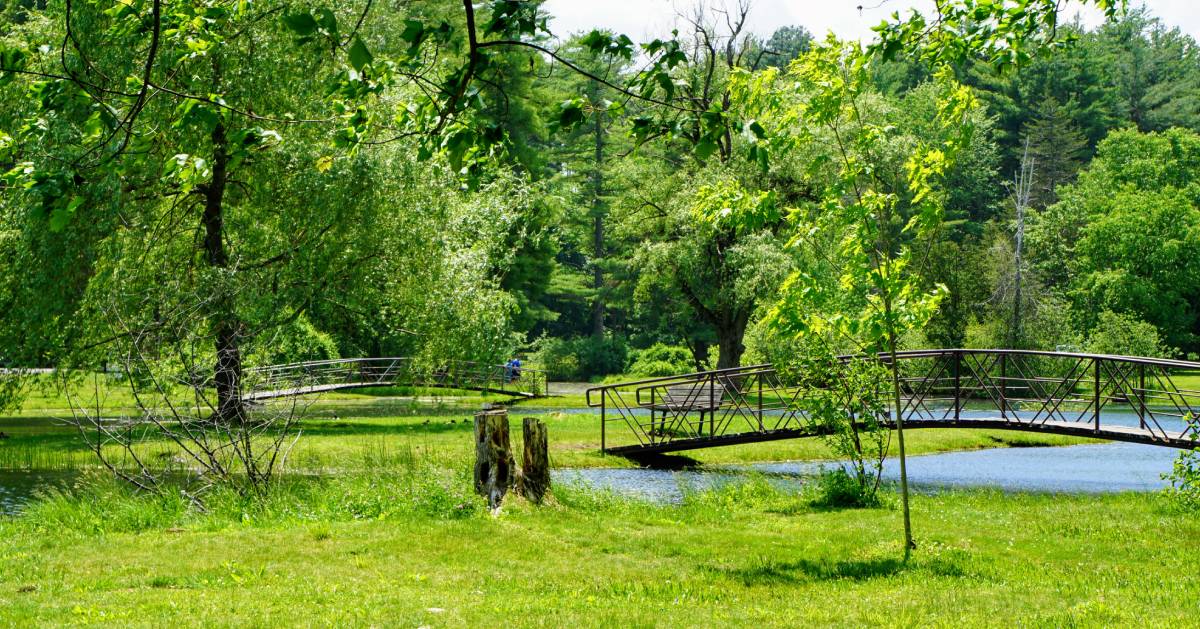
x=1108, y=467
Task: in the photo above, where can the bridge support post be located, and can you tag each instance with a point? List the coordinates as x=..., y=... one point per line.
x=760, y=403
x=957, y=386
x=1141, y=396
x=1096, y=393
x=604, y=420
x=1003, y=386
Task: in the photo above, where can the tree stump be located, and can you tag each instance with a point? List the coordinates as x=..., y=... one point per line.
x=535, y=468
x=493, y=456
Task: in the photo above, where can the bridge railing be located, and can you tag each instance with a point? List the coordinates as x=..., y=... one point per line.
x=1073, y=393
x=311, y=376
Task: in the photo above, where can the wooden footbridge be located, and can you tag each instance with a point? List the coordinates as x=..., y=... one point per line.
x=308, y=378
x=1119, y=398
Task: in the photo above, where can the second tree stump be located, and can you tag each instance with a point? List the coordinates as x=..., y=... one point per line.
x=535, y=468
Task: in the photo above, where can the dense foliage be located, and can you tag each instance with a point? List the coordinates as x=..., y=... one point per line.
x=448, y=184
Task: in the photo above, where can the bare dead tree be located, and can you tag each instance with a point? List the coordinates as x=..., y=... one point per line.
x=175, y=429
x=1022, y=192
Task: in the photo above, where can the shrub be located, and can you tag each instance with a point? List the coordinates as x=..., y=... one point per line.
x=661, y=360
x=837, y=489
x=556, y=358
x=580, y=358
x=1126, y=335
x=1184, y=477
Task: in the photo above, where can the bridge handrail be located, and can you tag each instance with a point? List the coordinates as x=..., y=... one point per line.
x=365, y=371
x=1144, y=360
x=681, y=379
x=343, y=361
x=724, y=377
x=913, y=353
x=1075, y=391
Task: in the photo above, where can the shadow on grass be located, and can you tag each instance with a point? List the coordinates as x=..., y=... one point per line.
x=804, y=570
x=953, y=564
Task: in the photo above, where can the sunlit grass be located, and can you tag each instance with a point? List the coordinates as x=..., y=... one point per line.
x=414, y=547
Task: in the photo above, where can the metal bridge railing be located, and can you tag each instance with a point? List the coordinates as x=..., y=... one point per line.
x=1072, y=393
x=323, y=375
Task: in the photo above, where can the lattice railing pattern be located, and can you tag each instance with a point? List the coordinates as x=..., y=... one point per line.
x=325, y=375
x=1147, y=399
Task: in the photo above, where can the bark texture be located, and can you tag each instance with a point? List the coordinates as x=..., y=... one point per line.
x=493, y=456
x=535, y=464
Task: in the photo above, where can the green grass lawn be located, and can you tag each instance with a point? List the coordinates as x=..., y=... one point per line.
x=746, y=555
x=392, y=535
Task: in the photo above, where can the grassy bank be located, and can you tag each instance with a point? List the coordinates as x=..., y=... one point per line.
x=356, y=433
x=414, y=548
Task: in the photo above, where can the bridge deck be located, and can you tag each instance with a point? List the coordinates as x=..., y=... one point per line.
x=1074, y=429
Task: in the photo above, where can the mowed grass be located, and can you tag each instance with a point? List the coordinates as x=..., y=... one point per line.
x=390, y=533
x=383, y=550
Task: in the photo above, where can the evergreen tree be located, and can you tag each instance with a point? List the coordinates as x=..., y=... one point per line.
x=1057, y=150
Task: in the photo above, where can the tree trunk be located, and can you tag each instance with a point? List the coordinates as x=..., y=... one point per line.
x=730, y=339
x=227, y=329
x=700, y=355
x=493, y=456
x=598, y=230
x=535, y=464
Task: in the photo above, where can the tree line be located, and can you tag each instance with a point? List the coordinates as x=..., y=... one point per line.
x=252, y=184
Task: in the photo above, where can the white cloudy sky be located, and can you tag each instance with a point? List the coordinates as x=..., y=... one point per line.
x=645, y=19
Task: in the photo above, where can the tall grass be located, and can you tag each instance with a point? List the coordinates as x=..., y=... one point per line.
x=96, y=504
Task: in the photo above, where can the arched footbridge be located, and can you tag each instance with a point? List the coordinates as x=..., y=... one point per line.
x=1120, y=398
x=307, y=378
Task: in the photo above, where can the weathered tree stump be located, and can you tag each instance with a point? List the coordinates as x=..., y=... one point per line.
x=493, y=456
x=535, y=468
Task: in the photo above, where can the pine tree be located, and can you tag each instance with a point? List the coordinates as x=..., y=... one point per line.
x=1058, y=148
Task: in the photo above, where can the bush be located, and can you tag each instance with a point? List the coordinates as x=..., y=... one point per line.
x=837, y=489
x=661, y=360
x=580, y=358
x=1184, y=477
x=1126, y=335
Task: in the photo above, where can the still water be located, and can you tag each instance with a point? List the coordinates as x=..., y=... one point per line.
x=1108, y=467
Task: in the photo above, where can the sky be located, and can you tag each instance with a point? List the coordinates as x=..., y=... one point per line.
x=646, y=19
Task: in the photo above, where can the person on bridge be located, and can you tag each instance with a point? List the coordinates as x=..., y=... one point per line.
x=512, y=370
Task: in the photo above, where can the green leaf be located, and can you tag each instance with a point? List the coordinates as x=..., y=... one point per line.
x=360, y=57
x=302, y=24
x=705, y=148
x=456, y=144
x=328, y=22
x=664, y=81
x=414, y=32
x=11, y=59
x=61, y=217
x=570, y=115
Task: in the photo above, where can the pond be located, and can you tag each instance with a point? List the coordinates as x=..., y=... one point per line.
x=17, y=487
x=1106, y=467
